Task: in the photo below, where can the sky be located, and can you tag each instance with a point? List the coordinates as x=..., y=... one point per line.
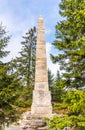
x=20, y=15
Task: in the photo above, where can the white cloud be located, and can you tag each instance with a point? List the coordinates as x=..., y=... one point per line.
x=19, y=16
x=53, y=67
x=48, y=31
x=16, y=30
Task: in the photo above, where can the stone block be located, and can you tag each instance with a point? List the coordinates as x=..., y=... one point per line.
x=41, y=106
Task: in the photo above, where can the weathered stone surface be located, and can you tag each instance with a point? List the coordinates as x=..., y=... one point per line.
x=41, y=106
x=41, y=96
x=28, y=122
x=42, y=128
x=38, y=123
x=66, y=128
x=41, y=74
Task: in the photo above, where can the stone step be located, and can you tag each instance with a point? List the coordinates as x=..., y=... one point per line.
x=42, y=128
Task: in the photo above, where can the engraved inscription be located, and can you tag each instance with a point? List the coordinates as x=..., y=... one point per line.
x=41, y=85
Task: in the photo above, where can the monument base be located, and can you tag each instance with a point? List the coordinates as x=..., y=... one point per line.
x=41, y=106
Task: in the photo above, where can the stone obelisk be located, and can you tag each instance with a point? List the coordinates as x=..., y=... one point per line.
x=41, y=105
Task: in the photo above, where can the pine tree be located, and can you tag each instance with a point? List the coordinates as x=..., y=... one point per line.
x=25, y=64
x=7, y=83
x=58, y=88
x=8, y=94
x=50, y=79
x=70, y=40
x=4, y=39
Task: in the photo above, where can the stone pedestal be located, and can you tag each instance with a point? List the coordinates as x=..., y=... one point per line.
x=41, y=105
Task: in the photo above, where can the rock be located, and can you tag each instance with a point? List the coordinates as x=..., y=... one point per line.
x=38, y=122
x=28, y=122
x=42, y=128
x=25, y=127
x=11, y=127
x=26, y=115
x=66, y=128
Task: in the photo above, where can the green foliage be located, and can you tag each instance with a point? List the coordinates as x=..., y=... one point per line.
x=59, y=122
x=4, y=39
x=75, y=101
x=24, y=98
x=21, y=103
x=59, y=106
x=50, y=79
x=8, y=88
x=58, y=91
x=50, y=82
x=8, y=84
x=70, y=40
x=24, y=66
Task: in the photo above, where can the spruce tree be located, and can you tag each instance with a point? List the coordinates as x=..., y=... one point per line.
x=4, y=39
x=51, y=82
x=25, y=64
x=58, y=88
x=8, y=85
x=50, y=79
x=23, y=67
x=70, y=40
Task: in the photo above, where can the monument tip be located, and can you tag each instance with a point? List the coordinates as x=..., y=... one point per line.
x=40, y=17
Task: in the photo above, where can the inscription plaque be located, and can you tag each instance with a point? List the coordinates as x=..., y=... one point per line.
x=41, y=85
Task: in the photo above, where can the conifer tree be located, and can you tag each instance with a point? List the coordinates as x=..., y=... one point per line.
x=23, y=68
x=7, y=83
x=4, y=39
x=50, y=79
x=58, y=88
x=25, y=64
x=70, y=40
